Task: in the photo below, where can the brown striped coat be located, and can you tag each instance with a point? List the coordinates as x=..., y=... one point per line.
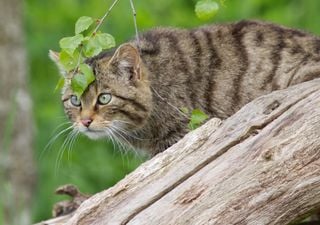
x=216, y=68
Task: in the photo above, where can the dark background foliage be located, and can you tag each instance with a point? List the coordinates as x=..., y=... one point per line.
x=96, y=165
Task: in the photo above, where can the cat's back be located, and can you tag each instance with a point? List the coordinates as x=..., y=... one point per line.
x=222, y=67
x=250, y=33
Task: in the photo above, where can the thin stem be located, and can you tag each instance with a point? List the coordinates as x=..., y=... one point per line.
x=173, y=106
x=78, y=63
x=105, y=15
x=96, y=29
x=135, y=22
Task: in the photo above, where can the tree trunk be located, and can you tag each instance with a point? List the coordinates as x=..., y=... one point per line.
x=260, y=166
x=17, y=173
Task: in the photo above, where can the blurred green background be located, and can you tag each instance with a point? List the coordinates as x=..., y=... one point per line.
x=96, y=165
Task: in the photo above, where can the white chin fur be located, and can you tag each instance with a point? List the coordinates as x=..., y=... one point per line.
x=95, y=135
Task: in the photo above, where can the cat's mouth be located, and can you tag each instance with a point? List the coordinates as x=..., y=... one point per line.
x=93, y=133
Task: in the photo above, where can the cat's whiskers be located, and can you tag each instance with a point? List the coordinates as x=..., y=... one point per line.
x=115, y=140
x=123, y=135
x=60, y=153
x=116, y=145
x=74, y=135
x=66, y=143
x=54, y=138
x=137, y=154
x=123, y=141
x=122, y=121
x=121, y=146
x=124, y=131
x=109, y=133
x=111, y=137
x=61, y=125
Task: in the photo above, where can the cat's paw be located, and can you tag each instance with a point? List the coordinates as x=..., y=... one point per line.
x=66, y=207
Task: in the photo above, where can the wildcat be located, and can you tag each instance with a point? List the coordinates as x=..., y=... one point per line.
x=140, y=89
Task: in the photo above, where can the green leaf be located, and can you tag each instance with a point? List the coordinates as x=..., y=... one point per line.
x=206, y=9
x=197, y=118
x=70, y=44
x=82, y=80
x=92, y=47
x=105, y=40
x=79, y=84
x=100, y=41
x=83, y=23
x=70, y=62
x=87, y=72
x=60, y=84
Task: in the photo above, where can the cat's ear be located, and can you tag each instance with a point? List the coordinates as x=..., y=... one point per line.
x=126, y=59
x=55, y=57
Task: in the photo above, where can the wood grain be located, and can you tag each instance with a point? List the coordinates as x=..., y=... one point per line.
x=260, y=166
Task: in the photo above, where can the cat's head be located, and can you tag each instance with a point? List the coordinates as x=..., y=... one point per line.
x=119, y=100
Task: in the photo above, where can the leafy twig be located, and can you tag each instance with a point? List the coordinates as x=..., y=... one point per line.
x=87, y=42
x=135, y=22
x=78, y=63
x=105, y=16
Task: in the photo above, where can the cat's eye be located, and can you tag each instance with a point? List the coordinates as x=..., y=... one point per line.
x=75, y=100
x=104, y=99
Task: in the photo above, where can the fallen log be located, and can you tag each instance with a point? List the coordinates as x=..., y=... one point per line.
x=260, y=166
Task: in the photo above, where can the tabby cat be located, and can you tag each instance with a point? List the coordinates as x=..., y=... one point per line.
x=140, y=89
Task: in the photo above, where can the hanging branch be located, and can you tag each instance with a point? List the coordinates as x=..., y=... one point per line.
x=75, y=49
x=135, y=23
x=105, y=15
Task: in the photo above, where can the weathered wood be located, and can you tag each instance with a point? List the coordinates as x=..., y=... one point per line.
x=56, y=221
x=260, y=166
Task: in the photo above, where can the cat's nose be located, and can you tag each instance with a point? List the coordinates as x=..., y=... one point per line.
x=86, y=122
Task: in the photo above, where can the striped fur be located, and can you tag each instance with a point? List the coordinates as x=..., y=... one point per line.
x=215, y=68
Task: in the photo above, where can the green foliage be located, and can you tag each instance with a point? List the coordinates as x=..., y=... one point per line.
x=206, y=9
x=75, y=49
x=197, y=119
x=79, y=84
x=69, y=62
x=70, y=44
x=83, y=24
x=98, y=42
x=105, y=41
x=60, y=84
x=87, y=72
x=80, y=81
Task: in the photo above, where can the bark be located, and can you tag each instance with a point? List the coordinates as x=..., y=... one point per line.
x=17, y=174
x=260, y=166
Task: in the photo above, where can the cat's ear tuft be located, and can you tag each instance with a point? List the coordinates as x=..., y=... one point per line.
x=127, y=60
x=55, y=57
